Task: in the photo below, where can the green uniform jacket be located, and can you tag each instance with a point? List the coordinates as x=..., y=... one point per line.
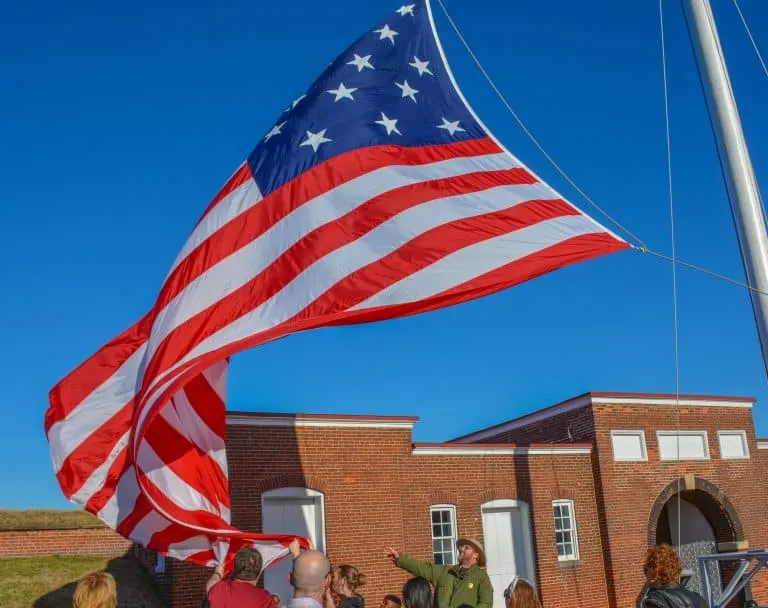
x=453, y=585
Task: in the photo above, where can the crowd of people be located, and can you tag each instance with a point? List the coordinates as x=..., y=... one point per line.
x=317, y=584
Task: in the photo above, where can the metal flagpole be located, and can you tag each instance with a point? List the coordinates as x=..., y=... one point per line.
x=748, y=214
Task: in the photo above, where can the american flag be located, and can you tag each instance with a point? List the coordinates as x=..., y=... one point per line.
x=377, y=193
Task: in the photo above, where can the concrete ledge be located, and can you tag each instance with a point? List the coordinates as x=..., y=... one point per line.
x=739, y=545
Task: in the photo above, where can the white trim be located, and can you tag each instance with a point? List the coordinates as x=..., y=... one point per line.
x=632, y=432
x=288, y=421
x=762, y=445
x=744, y=443
x=499, y=451
x=667, y=401
x=562, y=408
x=574, y=530
x=296, y=492
x=675, y=433
x=488, y=131
x=586, y=400
x=454, y=527
x=525, y=516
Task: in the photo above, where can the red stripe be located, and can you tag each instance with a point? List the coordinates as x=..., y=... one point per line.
x=242, y=175
x=176, y=513
x=140, y=510
x=311, y=248
x=316, y=181
x=187, y=461
x=100, y=498
x=94, y=371
x=91, y=453
x=207, y=404
x=428, y=248
x=588, y=246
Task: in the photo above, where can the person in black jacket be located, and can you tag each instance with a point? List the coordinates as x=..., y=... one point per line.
x=662, y=569
x=346, y=581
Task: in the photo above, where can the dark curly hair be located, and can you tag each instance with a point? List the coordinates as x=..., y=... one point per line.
x=662, y=565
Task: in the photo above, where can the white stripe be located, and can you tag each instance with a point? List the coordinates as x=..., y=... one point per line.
x=182, y=550
x=180, y=414
x=169, y=483
x=228, y=208
x=96, y=480
x=377, y=243
x=122, y=502
x=96, y=409
x=152, y=522
x=480, y=258
x=242, y=266
x=217, y=378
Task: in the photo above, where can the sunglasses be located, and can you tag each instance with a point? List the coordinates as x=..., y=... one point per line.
x=511, y=589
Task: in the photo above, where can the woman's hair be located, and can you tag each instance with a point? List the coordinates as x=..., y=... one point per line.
x=354, y=578
x=417, y=593
x=95, y=590
x=521, y=594
x=662, y=565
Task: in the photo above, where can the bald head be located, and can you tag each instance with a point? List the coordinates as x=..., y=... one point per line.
x=310, y=570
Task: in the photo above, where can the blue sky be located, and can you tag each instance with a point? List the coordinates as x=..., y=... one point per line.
x=119, y=122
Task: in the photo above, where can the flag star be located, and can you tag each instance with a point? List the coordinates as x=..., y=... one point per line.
x=361, y=62
x=342, y=92
x=386, y=32
x=315, y=139
x=407, y=90
x=449, y=126
x=406, y=9
x=390, y=124
x=294, y=103
x=421, y=66
x=276, y=130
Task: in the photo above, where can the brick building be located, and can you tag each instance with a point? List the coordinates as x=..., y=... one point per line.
x=569, y=496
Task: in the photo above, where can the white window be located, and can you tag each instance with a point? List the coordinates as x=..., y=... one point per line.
x=444, y=535
x=565, y=530
x=683, y=445
x=629, y=445
x=733, y=444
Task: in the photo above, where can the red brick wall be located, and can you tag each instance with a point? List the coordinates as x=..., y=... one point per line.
x=95, y=542
x=630, y=489
x=468, y=482
x=574, y=425
x=378, y=493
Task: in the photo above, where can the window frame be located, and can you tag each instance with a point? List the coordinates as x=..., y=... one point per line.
x=744, y=442
x=454, y=530
x=630, y=432
x=688, y=433
x=575, y=555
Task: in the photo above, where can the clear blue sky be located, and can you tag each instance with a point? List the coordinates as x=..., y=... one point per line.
x=119, y=122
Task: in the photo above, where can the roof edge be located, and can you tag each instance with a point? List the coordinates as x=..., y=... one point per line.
x=277, y=419
x=496, y=449
x=608, y=398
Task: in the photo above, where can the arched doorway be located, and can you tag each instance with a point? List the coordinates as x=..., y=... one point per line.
x=694, y=516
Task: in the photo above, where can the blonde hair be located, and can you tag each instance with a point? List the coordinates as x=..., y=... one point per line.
x=95, y=590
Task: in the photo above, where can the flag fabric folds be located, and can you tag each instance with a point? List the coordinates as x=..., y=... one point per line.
x=377, y=193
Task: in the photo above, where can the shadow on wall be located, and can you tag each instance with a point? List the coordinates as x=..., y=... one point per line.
x=135, y=588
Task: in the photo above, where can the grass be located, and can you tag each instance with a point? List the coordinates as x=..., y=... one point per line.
x=39, y=519
x=48, y=582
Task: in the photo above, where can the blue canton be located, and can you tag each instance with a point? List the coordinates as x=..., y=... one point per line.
x=391, y=87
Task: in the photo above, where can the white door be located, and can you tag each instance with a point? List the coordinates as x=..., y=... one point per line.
x=507, y=546
x=291, y=511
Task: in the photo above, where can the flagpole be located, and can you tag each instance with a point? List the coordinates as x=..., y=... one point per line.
x=748, y=213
